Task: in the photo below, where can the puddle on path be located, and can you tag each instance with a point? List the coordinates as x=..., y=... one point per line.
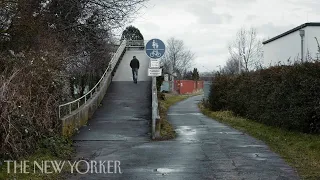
x=166, y=171
x=186, y=131
x=187, y=134
x=158, y=171
x=183, y=114
x=235, y=133
x=196, y=114
x=251, y=145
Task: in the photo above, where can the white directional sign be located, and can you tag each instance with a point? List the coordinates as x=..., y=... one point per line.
x=154, y=72
x=155, y=64
x=166, y=77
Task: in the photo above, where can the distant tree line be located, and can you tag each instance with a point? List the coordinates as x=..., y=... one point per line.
x=192, y=75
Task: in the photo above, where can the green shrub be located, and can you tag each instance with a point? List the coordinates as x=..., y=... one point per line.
x=283, y=96
x=57, y=146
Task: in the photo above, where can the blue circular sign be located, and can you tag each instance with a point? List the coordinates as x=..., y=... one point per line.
x=155, y=48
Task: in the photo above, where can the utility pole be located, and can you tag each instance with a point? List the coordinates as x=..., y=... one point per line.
x=171, y=78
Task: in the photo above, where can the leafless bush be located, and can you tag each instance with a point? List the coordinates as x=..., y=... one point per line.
x=30, y=92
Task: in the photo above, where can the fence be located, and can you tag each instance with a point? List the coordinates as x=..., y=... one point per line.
x=188, y=86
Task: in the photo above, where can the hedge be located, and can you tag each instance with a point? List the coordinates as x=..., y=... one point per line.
x=283, y=96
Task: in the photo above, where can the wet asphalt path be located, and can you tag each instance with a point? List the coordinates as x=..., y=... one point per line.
x=204, y=149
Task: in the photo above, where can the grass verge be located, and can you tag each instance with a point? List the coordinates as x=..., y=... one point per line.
x=163, y=126
x=50, y=149
x=301, y=151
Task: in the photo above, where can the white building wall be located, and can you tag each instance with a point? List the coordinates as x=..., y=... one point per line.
x=289, y=46
x=311, y=43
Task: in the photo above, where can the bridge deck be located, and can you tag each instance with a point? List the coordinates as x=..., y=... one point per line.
x=124, y=72
x=125, y=114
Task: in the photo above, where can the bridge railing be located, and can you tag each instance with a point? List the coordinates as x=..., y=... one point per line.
x=68, y=108
x=135, y=43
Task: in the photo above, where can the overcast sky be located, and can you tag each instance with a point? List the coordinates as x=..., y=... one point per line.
x=207, y=26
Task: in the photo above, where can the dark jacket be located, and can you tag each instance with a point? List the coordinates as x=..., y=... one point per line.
x=134, y=63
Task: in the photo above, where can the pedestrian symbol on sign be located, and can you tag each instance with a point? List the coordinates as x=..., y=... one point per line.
x=154, y=44
x=155, y=48
x=155, y=52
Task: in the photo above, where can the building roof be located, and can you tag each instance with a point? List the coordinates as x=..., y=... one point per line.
x=292, y=30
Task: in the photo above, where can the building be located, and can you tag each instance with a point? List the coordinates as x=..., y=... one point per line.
x=289, y=45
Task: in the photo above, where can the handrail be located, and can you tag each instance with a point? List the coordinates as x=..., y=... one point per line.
x=136, y=43
x=108, y=71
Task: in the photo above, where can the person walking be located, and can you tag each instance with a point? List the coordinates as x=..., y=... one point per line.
x=134, y=64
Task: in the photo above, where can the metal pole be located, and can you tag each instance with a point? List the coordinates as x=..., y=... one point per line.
x=302, y=33
x=154, y=89
x=301, y=48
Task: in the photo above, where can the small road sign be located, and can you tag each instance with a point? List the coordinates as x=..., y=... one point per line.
x=166, y=77
x=155, y=64
x=154, y=72
x=155, y=48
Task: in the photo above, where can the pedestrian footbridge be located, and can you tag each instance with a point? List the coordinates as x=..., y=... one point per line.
x=116, y=108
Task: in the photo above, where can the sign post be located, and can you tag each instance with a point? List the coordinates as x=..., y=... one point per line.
x=155, y=49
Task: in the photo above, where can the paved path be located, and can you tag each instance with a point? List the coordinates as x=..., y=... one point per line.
x=204, y=149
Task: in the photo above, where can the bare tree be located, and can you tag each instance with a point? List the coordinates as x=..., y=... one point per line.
x=177, y=58
x=247, y=49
